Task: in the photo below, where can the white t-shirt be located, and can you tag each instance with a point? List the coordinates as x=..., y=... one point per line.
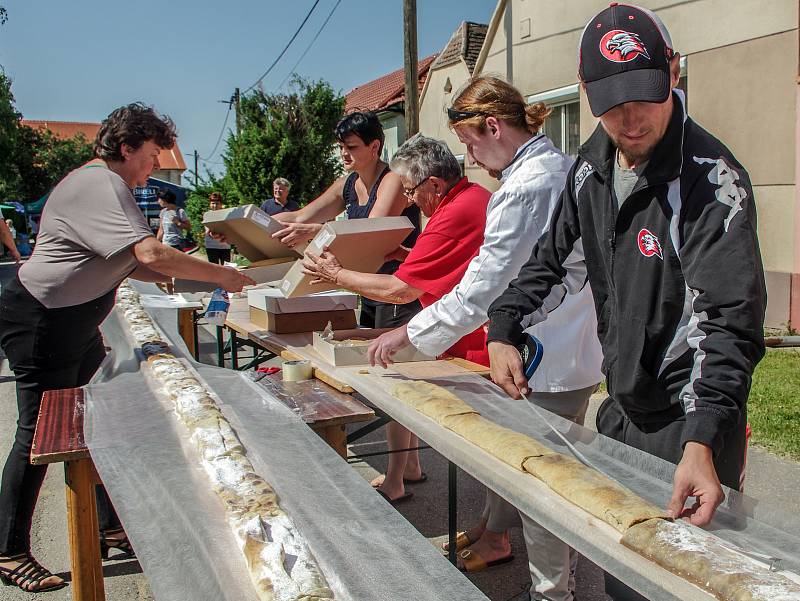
x=517, y=215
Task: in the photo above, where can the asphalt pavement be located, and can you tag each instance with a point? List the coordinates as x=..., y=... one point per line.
x=768, y=477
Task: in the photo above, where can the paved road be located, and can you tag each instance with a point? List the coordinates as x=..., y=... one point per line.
x=768, y=477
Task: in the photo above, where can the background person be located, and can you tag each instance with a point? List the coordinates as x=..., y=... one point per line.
x=172, y=220
x=369, y=190
x=431, y=179
x=92, y=236
x=280, y=202
x=666, y=218
x=8, y=236
x=217, y=251
x=501, y=133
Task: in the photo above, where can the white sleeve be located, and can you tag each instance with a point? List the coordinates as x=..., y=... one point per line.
x=514, y=222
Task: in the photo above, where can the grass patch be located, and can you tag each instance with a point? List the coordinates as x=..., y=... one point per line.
x=773, y=408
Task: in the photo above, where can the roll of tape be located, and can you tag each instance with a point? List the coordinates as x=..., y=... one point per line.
x=294, y=371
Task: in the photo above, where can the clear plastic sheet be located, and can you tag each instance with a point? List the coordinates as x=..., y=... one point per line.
x=754, y=527
x=176, y=523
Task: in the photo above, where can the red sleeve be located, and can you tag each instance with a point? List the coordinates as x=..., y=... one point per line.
x=436, y=264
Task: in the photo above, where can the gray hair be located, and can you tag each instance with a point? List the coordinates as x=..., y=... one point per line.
x=421, y=157
x=283, y=182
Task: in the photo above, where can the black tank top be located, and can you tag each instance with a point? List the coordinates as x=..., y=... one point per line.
x=357, y=211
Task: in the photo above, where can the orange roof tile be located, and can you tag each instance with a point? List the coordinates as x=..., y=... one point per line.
x=386, y=90
x=169, y=159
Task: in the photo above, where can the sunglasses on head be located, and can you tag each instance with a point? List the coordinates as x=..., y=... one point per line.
x=454, y=115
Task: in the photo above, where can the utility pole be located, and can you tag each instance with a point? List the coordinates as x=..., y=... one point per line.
x=236, y=98
x=196, y=159
x=412, y=73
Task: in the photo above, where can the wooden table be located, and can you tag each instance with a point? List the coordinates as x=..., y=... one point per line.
x=59, y=438
x=239, y=328
x=326, y=410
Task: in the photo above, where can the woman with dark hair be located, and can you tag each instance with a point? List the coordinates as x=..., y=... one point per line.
x=92, y=236
x=370, y=189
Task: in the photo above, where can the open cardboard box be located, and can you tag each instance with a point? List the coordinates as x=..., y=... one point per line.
x=251, y=229
x=295, y=323
x=356, y=354
x=359, y=245
x=269, y=270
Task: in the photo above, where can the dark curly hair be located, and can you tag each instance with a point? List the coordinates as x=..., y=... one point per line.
x=133, y=125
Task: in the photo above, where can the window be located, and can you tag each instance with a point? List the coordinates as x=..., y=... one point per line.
x=563, y=126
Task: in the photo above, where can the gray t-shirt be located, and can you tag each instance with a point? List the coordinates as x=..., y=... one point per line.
x=171, y=232
x=82, y=252
x=625, y=180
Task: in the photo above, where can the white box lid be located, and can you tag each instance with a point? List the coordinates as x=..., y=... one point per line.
x=273, y=301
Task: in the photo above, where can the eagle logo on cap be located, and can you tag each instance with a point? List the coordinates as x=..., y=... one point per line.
x=620, y=46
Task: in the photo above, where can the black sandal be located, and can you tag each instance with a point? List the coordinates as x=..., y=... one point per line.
x=28, y=575
x=121, y=544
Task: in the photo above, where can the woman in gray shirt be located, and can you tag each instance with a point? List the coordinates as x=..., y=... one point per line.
x=92, y=236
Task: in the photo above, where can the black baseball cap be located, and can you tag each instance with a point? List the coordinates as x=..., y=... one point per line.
x=624, y=56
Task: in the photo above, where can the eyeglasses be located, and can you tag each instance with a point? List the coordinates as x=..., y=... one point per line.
x=409, y=192
x=455, y=115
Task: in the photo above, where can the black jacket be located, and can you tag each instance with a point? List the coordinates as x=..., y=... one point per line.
x=675, y=272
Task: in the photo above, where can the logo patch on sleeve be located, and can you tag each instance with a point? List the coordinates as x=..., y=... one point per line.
x=649, y=244
x=581, y=175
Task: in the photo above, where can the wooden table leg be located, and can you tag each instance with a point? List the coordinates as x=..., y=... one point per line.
x=84, y=542
x=336, y=437
x=186, y=328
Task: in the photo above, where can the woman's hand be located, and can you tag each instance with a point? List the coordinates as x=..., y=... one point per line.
x=324, y=267
x=297, y=233
x=219, y=237
x=382, y=349
x=234, y=280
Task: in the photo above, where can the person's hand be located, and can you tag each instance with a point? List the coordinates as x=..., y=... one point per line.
x=696, y=477
x=218, y=236
x=297, y=233
x=234, y=280
x=15, y=254
x=506, y=366
x=398, y=254
x=382, y=349
x=324, y=267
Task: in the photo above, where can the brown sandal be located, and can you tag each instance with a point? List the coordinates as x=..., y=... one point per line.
x=28, y=575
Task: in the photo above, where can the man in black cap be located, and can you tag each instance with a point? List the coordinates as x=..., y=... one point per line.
x=661, y=218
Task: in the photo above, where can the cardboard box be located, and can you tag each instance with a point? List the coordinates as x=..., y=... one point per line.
x=357, y=354
x=250, y=229
x=359, y=244
x=293, y=323
x=271, y=270
x=273, y=301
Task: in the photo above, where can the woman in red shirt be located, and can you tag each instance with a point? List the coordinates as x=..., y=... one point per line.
x=456, y=208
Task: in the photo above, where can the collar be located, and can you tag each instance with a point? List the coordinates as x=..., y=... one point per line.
x=664, y=164
x=523, y=150
x=457, y=189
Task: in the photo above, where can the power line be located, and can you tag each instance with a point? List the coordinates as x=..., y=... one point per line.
x=275, y=62
x=222, y=131
x=319, y=31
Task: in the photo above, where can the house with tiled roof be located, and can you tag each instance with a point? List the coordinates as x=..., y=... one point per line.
x=386, y=96
x=451, y=69
x=172, y=163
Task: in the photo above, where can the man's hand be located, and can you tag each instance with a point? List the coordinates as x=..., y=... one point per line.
x=382, y=349
x=506, y=365
x=324, y=267
x=234, y=280
x=696, y=477
x=297, y=233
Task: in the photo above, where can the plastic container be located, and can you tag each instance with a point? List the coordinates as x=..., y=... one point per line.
x=217, y=311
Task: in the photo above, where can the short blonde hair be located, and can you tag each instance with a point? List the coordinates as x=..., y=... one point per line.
x=283, y=182
x=490, y=96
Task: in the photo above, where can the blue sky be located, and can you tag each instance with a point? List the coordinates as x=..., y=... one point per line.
x=77, y=60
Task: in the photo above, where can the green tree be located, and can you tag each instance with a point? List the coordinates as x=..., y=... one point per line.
x=285, y=135
x=197, y=200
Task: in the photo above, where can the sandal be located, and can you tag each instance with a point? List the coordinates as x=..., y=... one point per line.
x=110, y=539
x=28, y=575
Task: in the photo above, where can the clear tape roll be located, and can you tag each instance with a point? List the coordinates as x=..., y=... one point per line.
x=294, y=371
